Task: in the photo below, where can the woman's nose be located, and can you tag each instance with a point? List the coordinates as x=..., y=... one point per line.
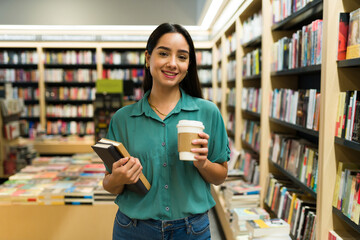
x=172, y=61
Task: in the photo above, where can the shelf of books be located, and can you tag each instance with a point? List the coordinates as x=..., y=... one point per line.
x=19, y=74
x=204, y=61
x=69, y=78
x=342, y=156
x=294, y=113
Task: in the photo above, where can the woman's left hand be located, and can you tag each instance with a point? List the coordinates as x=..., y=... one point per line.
x=202, y=151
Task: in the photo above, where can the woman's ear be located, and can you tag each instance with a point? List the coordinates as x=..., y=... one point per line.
x=147, y=58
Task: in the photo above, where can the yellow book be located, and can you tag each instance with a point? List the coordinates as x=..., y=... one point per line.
x=341, y=167
x=291, y=207
x=337, y=127
x=309, y=167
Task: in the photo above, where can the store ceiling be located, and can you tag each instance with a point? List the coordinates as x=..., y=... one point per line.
x=101, y=12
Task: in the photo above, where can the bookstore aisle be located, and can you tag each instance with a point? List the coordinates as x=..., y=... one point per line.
x=215, y=226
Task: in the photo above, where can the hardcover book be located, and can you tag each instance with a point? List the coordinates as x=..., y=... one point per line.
x=343, y=35
x=111, y=151
x=353, y=46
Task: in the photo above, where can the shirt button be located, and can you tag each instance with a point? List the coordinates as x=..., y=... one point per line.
x=167, y=208
x=164, y=164
x=163, y=144
x=163, y=124
x=166, y=186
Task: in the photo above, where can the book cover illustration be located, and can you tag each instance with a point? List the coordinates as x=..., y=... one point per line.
x=353, y=46
x=343, y=35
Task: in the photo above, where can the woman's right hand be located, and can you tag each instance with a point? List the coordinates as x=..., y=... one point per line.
x=126, y=170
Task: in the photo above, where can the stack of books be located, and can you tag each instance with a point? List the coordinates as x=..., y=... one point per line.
x=268, y=229
x=101, y=196
x=239, y=216
x=238, y=194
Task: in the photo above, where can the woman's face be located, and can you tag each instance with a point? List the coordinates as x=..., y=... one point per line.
x=169, y=60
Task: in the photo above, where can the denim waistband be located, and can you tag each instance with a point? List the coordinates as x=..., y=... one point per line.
x=161, y=224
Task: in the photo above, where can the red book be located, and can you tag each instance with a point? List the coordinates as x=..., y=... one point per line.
x=343, y=35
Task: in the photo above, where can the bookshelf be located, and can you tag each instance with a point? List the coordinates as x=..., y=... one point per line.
x=69, y=78
x=329, y=77
x=204, y=60
x=19, y=68
x=337, y=77
x=292, y=76
x=323, y=77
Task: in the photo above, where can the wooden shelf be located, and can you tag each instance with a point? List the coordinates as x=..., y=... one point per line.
x=204, y=66
x=222, y=213
x=347, y=220
x=294, y=179
x=231, y=108
x=71, y=146
x=349, y=63
x=232, y=55
x=298, y=71
x=230, y=134
x=70, y=66
x=69, y=84
x=308, y=13
x=256, y=42
x=23, y=84
x=296, y=127
x=251, y=113
x=208, y=85
x=250, y=147
x=34, y=119
x=257, y=76
x=231, y=82
x=347, y=143
x=33, y=101
x=19, y=66
x=58, y=101
x=85, y=119
x=123, y=66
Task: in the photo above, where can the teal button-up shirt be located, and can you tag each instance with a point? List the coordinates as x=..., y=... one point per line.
x=177, y=188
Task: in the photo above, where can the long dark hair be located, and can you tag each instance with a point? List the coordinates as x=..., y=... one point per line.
x=190, y=84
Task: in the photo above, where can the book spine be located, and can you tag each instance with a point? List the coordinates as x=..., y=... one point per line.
x=343, y=35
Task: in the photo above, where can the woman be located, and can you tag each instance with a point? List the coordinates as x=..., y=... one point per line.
x=177, y=204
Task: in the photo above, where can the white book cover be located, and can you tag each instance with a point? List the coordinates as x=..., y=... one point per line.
x=348, y=119
x=294, y=108
x=353, y=108
x=310, y=113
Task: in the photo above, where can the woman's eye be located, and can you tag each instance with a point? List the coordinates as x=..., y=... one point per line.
x=183, y=57
x=164, y=54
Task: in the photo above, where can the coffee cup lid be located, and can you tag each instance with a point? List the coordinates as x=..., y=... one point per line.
x=190, y=123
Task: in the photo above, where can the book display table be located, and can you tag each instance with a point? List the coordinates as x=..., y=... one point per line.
x=57, y=222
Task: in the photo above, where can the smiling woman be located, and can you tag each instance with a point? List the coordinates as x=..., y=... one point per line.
x=180, y=189
x=168, y=64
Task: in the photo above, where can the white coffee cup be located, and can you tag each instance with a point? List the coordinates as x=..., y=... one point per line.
x=188, y=130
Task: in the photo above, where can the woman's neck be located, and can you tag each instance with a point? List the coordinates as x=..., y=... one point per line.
x=163, y=101
x=163, y=98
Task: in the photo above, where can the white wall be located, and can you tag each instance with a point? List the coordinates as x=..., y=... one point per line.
x=99, y=12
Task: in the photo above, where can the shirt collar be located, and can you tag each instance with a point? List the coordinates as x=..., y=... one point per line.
x=185, y=103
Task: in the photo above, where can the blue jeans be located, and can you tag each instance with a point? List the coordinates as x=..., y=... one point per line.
x=192, y=227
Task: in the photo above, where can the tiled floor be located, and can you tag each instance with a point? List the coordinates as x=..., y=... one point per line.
x=215, y=226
